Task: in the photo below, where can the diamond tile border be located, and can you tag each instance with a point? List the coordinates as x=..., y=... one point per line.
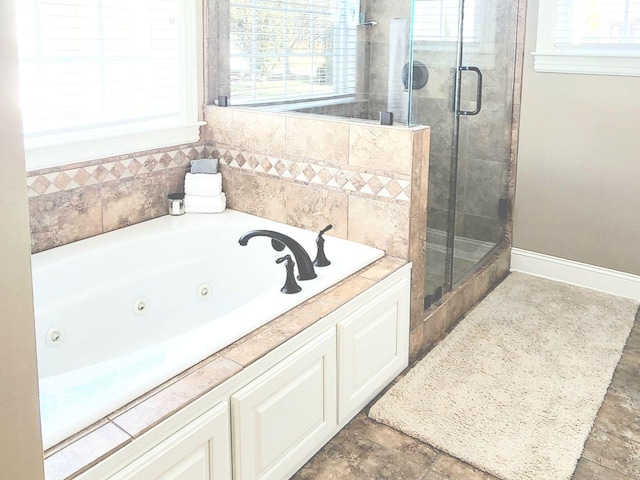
x=43, y=182
x=349, y=180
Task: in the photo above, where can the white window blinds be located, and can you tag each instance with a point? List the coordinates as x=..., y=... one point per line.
x=437, y=21
x=612, y=23
x=291, y=50
x=106, y=66
x=591, y=37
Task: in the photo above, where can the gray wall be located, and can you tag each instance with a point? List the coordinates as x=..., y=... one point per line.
x=21, y=452
x=578, y=177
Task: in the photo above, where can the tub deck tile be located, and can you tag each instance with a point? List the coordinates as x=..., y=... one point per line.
x=156, y=408
x=85, y=452
x=256, y=345
x=343, y=293
x=382, y=268
x=82, y=433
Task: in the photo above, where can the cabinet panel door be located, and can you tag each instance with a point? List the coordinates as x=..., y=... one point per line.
x=199, y=451
x=373, y=347
x=287, y=414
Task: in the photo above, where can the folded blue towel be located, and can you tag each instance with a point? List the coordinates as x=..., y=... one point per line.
x=204, y=165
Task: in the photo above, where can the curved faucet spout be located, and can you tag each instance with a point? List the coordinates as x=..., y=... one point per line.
x=305, y=265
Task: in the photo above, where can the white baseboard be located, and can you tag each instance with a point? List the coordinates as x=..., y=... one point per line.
x=576, y=273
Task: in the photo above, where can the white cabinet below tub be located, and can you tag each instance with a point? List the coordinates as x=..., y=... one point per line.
x=282, y=418
x=373, y=346
x=271, y=417
x=286, y=415
x=198, y=451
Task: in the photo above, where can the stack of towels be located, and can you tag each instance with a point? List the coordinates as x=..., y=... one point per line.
x=203, y=188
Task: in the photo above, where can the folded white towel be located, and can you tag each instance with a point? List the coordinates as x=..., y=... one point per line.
x=200, y=204
x=203, y=184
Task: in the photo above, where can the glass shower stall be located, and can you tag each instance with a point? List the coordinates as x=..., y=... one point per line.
x=468, y=47
x=460, y=56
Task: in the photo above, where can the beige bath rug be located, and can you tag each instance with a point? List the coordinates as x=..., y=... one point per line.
x=515, y=387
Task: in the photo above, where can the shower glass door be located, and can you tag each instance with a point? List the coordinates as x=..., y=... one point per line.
x=467, y=103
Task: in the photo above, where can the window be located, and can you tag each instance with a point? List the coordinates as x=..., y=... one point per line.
x=102, y=78
x=436, y=30
x=437, y=21
x=292, y=50
x=592, y=37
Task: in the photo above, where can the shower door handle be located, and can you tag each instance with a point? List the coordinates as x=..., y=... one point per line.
x=478, y=91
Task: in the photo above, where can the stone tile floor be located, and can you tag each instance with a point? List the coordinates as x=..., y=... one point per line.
x=365, y=449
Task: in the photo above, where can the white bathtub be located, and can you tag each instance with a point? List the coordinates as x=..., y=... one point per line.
x=120, y=313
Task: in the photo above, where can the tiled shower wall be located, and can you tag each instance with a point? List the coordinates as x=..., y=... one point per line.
x=73, y=202
x=367, y=180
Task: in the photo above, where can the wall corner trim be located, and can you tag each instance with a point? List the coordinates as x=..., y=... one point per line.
x=580, y=274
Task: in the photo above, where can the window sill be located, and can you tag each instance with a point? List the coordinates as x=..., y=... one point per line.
x=587, y=64
x=99, y=145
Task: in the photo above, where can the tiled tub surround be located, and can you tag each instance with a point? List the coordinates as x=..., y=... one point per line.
x=106, y=437
x=369, y=181
x=78, y=201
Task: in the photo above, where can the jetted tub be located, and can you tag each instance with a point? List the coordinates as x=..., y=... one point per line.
x=120, y=313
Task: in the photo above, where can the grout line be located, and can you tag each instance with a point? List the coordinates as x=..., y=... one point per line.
x=617, y=472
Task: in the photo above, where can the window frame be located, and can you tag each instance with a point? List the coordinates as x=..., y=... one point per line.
x=589, y=60
x=126, y=138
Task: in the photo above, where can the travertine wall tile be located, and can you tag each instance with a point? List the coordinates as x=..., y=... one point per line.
x=64, y=217
x=317, y=139
x=436, y=326
x=134, y=201
x=382, y=225
x=67, y=203
x=417, y=255
x=218, y=129
x=175, y=180
x=380, y=147
x=257, y=132
x=254, y=194
x=314, y=209
x=381, y=186
x=420, y=171
x=416, y=343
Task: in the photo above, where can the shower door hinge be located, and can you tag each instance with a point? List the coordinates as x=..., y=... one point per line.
x=503, y=208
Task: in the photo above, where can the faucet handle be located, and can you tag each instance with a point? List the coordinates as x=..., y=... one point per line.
x=290, y=285
x=325, y=229
x=321, y=259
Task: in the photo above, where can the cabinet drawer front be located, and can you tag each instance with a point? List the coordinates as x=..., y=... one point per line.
x=199, y=451
x=372, y=349
x=282, y=418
